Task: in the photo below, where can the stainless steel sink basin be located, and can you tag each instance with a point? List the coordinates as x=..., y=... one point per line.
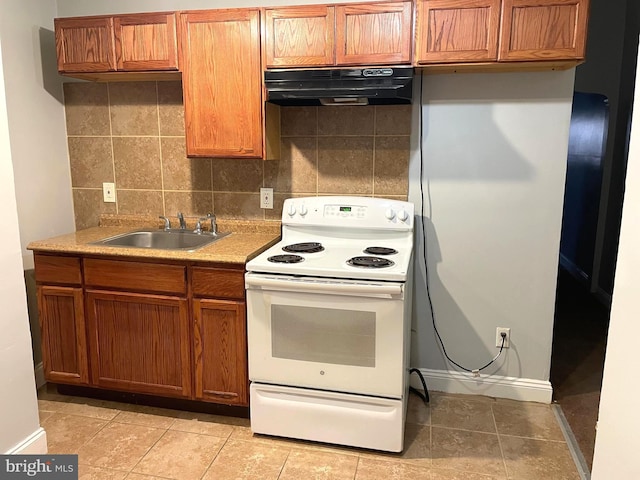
x=162, y=239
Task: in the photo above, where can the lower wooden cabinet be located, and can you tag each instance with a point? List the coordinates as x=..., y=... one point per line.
x=220, y=351
x=64, y=340
x=171, y=329
x=139, y=343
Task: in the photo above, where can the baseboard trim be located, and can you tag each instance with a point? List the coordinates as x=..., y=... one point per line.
x=525, y=389
x=39, y=374
x=34, y=444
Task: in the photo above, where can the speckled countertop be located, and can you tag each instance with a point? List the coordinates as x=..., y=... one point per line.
x=247, y=240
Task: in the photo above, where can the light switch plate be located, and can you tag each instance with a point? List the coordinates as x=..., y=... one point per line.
x=266, y=198
x=109, y=192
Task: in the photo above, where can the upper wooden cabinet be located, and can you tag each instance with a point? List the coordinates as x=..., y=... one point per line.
x=543, y=29
x=490, y=31
x=222, y=83
x=299, y=36
x=457, y=31
x=130, y=43
x=322, y=35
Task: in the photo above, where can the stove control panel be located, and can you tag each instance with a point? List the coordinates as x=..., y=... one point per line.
x=357, y=212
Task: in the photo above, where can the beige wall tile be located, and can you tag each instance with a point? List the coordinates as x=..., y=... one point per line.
x=171, y=108
x=137, y=162
x=238, y=206
x=345, y=165
x=88, y=206
x=237, y=175
x=91, y=161
x=346, y=120
x=134, y=108
x=393, y=120
x=391, y=168
x=86, y=108
x=189, y=203
x=180, y=172
x=297, y=170
x=140, y=202
x=296, y=121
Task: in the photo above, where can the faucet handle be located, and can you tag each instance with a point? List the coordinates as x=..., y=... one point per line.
x=214, y=226
x=167, y=222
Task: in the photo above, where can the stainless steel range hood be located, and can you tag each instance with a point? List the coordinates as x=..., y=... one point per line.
x=352, y=86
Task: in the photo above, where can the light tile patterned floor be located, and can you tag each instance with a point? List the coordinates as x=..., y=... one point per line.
x=454, y=438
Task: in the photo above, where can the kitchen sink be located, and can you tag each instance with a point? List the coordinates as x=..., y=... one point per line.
x=162, y=239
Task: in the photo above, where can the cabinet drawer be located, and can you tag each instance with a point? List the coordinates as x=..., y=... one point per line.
x=57, y=270
x=147, y=277
x=217, y=282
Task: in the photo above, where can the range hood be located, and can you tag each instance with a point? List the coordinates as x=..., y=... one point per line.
x=351, y=86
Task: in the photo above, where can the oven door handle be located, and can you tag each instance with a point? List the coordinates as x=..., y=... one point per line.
x=340, y=287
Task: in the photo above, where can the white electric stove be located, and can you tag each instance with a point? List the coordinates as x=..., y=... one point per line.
x=328, y=323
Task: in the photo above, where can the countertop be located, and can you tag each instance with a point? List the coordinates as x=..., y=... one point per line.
x=247, y=240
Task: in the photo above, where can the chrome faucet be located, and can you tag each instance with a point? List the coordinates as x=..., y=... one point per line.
x=167, y=223
x=183, y=225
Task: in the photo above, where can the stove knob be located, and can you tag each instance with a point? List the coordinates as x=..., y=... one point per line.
x=403, y=215
x=303, y=210
x=390, y=214
x=292, y=210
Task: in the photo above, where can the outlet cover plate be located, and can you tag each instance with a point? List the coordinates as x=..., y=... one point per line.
x=109, y=192
x=266, y=198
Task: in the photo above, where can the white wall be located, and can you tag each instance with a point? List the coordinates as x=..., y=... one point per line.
x=72, y=8
x=18, y=406
x=495, y=153
x=617, y=439
x=36, y=121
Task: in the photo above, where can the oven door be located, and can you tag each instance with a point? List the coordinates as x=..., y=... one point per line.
x=330, y=334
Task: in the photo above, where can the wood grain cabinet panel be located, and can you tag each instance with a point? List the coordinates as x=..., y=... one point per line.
x=139, y=343
x=217, y=282
x=137, y=276
x=299, y=36
x=85, y=44
x=222, y=83
x=377, y=33
x=57, y=270
x=220, y=351
x=457, y=31
x=146, y=41
x=63, y=333
x=543, y=29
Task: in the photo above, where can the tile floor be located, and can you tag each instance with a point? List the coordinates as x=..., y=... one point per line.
x=455, y=437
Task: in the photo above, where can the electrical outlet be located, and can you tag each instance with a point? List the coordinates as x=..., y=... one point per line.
x=507, y=339
x=266, y=198
x=109, y=192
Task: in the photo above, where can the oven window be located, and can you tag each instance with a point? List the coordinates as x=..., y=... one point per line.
x=325, y=335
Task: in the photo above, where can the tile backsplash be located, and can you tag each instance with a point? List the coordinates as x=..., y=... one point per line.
x=132, y=134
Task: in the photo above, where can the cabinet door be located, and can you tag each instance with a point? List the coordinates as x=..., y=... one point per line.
x=139, y=343
x=379, y=33
x=220, y=340
x=146, y=42
x=299, y=36
x=457, y=31
x=85, y=44
x=543, y=29
x=222, y=83
x=64, y=340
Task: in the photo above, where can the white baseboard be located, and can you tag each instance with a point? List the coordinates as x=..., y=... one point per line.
x=39, y=373
x=524, y=389
x=34, y=444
